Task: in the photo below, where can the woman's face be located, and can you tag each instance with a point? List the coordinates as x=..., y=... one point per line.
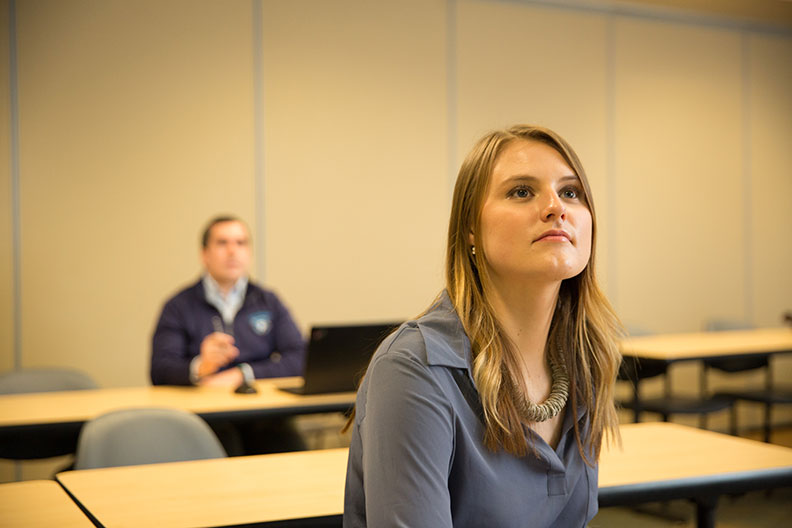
x=534, y=221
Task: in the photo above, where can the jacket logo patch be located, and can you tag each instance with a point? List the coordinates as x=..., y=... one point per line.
x=260, y=322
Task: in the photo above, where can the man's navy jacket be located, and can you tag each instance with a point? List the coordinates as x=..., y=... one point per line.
x=264, y=332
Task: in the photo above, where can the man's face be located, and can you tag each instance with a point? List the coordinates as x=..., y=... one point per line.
x=226, y=256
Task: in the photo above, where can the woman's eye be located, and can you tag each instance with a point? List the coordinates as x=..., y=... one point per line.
x=570, y=193
x=521, y=192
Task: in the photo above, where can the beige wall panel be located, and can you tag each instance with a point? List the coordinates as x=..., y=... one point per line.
x=355, y=187
x=136, y=127
x=771, y=188
x=6, y=219
x=526, y=64
x=677, y=115
x=770, y=103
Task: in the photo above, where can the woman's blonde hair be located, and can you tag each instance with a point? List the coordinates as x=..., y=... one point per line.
x=584, y=326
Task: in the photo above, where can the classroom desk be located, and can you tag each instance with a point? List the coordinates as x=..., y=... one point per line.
x=709, y=345
x=39, y=503
x=665, y=461
x=660, y=461
x=26, y=418
x=220, y=492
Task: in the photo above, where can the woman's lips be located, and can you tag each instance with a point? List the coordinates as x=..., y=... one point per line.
x=554, y=235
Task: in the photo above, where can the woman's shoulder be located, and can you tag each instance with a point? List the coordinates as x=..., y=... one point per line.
x=436, y=338
x=405, y=342
x=403, y=374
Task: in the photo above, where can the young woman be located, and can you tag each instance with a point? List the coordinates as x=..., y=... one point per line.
x=490, y=409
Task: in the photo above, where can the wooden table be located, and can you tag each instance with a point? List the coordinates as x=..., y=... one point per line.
x=39, y=503
x=664, y=461
x=656, y=352
x=27, y=418
x=660, y=461
x=218, y=492
x=709, y=345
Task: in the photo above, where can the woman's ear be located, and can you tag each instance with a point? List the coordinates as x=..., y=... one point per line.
x=471, y=238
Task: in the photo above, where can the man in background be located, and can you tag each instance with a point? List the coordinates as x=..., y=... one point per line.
x=212, y=331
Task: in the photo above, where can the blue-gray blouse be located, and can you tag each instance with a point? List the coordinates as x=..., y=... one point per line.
x=417, y=457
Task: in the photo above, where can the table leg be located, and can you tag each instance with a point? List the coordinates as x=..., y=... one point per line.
x=705, y=511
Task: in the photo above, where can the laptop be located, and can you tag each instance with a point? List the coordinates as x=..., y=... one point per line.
x=338, y=356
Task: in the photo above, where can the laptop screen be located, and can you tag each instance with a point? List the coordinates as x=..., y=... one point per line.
x=338, y=355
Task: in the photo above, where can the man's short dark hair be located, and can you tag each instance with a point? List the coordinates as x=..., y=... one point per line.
x=213, y=222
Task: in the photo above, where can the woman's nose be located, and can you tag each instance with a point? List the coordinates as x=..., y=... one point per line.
x=553, y=208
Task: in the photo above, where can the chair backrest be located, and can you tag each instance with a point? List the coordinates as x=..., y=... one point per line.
x=44, y=380
x=130, y=437
x=738, y=363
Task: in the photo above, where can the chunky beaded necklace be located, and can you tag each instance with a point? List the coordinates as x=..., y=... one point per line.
x=559, y=393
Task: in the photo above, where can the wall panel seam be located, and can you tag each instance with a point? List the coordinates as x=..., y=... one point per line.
x=258, y=139
x=15, y=184
x=610, y=163
x=747, y=193
x=452, y=93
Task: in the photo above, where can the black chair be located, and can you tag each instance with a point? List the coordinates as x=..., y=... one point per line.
x=768, y=396
x=635, y=370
